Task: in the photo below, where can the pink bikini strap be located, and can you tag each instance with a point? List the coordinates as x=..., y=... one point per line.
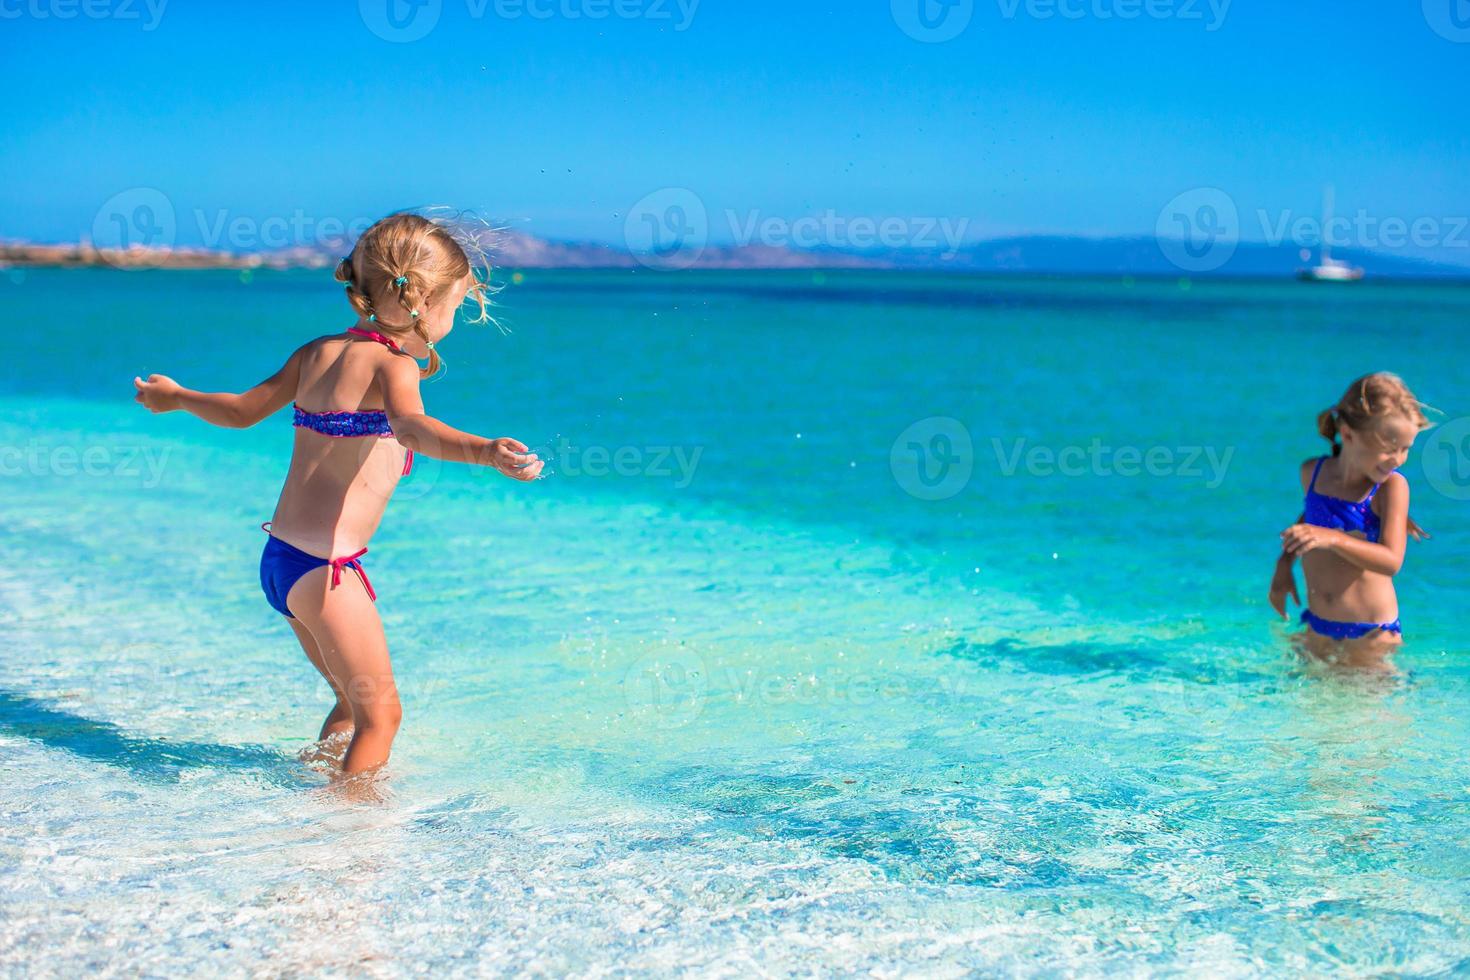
x=373, y=335
x=352, y=562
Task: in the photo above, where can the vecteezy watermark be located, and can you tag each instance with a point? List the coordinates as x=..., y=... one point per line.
x=651, y=462
x=937, y=21
x=155, y=673
x=671, y=229
x=404, y=21
x=933, y=21
x=933, y=459
x=667, y=229
x=222, y=229
x=672, y=688
x=137, y=218
x=1098, y=459
x=1364, y=230
x=1450, y=19
x=113, y=461
x=669, y=686
x=1210, y=13
x=144, y=219
x=1199, y=229
x=149, y=13
x=1446, y=458
x=831, y=230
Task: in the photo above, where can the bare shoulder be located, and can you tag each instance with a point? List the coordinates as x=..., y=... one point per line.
x=316, y=344
x=1392, y=490
x=1308, y=467
x=398, y=365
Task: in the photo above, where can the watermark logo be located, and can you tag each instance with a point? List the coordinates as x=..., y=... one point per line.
x=832, y=230
x=400, y=21
x=148, y=12
x=137, y=218
x=404, y=21
x=221, y=229
x=1210, y=13
x=668, y=229
x=672, y=229
x=1365, y=230
x=669, y=687
x=140, y=465
x=1450, y=19
x=673, y=463
x=1199, y=229
x=1446, y=459
x=1099, y=459
x=933, y=458
x=143, y=219
x=933, y=21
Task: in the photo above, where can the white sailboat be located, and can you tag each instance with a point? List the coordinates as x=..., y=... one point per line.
x=1327, y=268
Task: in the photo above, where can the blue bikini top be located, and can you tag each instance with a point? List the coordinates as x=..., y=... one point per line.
x=1344, y=515
x=343, y=425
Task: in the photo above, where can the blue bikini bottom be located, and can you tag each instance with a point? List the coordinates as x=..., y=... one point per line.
x=281, y=566
x=1346, y=631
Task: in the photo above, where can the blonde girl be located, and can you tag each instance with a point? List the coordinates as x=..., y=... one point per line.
x=358, y=419
x=1355, y=523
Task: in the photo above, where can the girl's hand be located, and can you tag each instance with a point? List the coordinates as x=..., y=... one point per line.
x=1416, y=532
x=158, y=394
x=1299, y=539
x=1283, y=584
x=512, y=458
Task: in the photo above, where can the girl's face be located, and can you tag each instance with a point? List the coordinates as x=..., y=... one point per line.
x=1378, y=450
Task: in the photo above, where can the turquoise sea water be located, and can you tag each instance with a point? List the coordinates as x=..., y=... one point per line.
x=772, y=673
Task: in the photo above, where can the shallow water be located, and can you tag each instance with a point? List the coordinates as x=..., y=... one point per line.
x=787, y=681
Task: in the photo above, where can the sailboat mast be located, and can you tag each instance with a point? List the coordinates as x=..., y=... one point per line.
x=1327, y=202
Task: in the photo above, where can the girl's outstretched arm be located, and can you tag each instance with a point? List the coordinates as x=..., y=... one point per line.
x=161, y=393
x=399, y=381
x=1385, y=557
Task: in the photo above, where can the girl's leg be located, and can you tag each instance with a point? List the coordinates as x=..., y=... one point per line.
x=349, y=637
x=339, y=719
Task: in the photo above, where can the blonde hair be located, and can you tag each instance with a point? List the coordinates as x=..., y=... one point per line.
x=412, y=260
x=1367, y=401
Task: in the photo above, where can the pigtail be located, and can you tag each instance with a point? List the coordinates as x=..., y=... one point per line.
x=1327, y=426
x=436, y=363
x=411, y=297
x=359, y=300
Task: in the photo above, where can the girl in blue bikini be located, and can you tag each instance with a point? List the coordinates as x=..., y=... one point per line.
x=358, y=419
x=1355, y=524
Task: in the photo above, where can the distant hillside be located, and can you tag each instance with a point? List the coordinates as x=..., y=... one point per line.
x=1054, y=255
x=1057, y=255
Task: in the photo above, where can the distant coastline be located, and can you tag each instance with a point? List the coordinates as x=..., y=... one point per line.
x=1028, y=255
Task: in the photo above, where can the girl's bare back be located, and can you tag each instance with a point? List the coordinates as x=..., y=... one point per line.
x=337, y=489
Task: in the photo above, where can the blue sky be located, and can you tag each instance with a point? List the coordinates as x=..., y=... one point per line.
x=1040, y=116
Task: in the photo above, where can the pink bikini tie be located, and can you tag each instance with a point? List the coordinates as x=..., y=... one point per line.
x=337, y=564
